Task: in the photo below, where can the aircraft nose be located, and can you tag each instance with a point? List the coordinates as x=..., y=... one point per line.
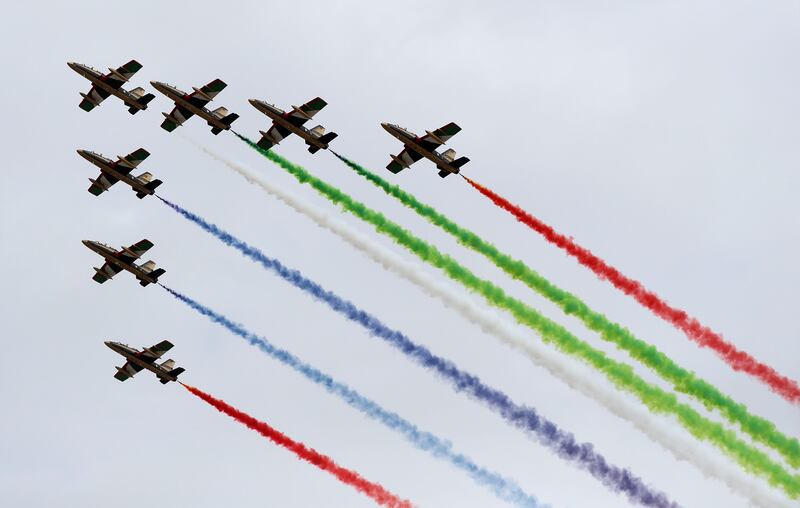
x=83, y=154
x=72, y=65
x=385, y=125
x=86, y=242
x=253, y=101
x=107, y=343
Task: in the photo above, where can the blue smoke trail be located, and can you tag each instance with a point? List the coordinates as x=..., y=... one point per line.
x=504, y=488
x=526, y=418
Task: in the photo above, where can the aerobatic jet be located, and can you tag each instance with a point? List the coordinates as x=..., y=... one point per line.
x=285, y=123
x=416, y=147
x=123, y=259
x=104, y=85
x=146, y=359
x=119, y=170
x=190, y=104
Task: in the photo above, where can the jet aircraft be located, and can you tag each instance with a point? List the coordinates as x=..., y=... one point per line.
x=104, y=85
x=190, y=104
x=123, y=259
x=146, y=359
x=285, y=123
x=113, y=171
x=416, y=147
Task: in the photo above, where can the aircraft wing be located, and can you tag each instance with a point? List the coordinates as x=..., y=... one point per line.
x=117, y=77
x=154, y=352
x=206, y=94
x=102, y=183
x=135, y=251
x=176, y=118
x=435, y=139
x=406, y=158
x=129, y=162
x=273, y=136
x=306, y=112
x=105, y=272
x=93, y=98
x=126, y=371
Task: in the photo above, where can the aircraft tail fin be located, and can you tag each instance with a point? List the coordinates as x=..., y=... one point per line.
x=318, y=132
x=449, y=155
x=229, y=119
x=174, y=373
x=327, y=138
x=153, y=274
x=459, y=162
x=151, y=186
x=141, y=98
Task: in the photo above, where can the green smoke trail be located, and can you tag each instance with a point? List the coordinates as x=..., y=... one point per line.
x=622, y=375
x=760, y=429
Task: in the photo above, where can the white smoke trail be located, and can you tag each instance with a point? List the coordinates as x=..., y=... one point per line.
x=679, y=443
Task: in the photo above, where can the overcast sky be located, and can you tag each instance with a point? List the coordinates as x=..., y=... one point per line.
x=662, y=135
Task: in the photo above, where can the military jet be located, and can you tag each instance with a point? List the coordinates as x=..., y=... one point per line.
x=113, y=171
x=146, y=359
x=285, y=123
x=188, y=105
x=123, y=259
x=416, y=147
x=104, y=85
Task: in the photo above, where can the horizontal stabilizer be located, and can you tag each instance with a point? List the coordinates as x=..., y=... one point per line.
x=313, y=148
x=317, y=131
x=220, y=112
x=152, y=275
x=142, y=101
x=230, y=119
x=151, y=186
x=174, y=373
x=148, y=267
x=459, y=162
x=145, y=177
x=169, y=125
x=449, y=155
x=443, y=173
x=168, y=364
x=327, y=138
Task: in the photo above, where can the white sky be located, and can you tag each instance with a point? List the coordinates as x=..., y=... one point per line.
x=662, y=136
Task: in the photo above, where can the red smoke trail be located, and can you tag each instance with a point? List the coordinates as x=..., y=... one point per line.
x=373, y=490
x=739, y=360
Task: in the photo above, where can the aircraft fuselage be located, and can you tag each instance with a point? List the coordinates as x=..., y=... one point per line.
x=109, y=254
x=409, y=140
x=179, y=97
x=279, y=117
x=97, y=80
x=106, y=166
x=132, y=356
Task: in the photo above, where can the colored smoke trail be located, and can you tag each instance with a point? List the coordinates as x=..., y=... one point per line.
x=580, y=378
x=622, y=375
x=696, y=331
x=382, y=496
x=525, y=418
x=760, y=429
x=503, y=488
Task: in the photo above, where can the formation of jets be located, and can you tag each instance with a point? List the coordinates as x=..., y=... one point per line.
x=187, y=105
